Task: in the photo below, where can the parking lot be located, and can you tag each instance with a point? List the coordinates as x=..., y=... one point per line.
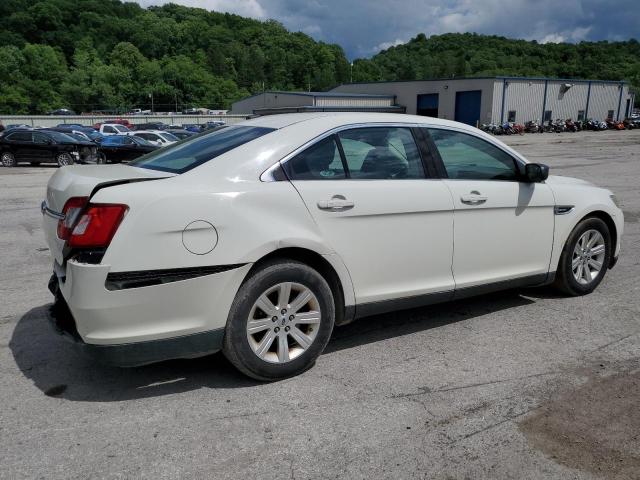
x=518, y=384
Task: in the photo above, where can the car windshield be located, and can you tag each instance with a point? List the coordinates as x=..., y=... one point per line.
x=169, y=136
x=190, y=153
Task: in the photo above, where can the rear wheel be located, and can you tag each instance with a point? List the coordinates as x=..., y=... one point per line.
x=585, y=258
x=101, y=159
x=280, y=321
x=8, y=160
x=64, y=159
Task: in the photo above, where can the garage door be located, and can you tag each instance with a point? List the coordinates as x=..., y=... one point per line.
x=428, y=105
x=468, y=106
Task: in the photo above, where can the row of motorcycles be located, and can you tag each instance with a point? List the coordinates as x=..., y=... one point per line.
x=559, y=126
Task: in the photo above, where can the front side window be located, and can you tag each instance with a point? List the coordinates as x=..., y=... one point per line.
x=183, y=156
x=121, y=128
x=320, y=161
x=40, y=138
x=381, y=153
x=108, y=129
x=466, y=157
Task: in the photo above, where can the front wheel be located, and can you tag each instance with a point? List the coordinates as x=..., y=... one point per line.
x=101, y=159
x=585, y=258
x=280, y=321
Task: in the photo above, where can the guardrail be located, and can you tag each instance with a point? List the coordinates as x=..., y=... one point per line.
x=90, y=120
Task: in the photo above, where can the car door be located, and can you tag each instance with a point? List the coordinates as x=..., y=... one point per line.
x=129, y=150
x=367, y=190
x=42, y=148
x=503, y=225
x=21, y=145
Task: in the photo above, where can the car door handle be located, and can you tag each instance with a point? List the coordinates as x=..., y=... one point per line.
x=338, y=203
x=473, y=198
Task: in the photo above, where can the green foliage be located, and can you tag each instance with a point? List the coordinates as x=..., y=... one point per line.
x=470, y=54
x=105, y=55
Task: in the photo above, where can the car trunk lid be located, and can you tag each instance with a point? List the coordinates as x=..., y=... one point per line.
x=83, y=181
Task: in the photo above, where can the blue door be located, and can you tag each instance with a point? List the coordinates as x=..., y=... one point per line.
x=428, y=105
x=468, y=107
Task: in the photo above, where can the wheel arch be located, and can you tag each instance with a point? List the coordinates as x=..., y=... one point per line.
x=344, y=313
x=611, y=225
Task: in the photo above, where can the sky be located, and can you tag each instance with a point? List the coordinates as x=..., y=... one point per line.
x=364, y=27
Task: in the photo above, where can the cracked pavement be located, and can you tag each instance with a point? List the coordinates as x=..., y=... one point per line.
x=517, y=384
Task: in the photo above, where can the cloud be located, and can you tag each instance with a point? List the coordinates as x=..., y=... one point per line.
x=364, y=27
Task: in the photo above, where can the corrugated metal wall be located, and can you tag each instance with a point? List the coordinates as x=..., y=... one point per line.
x=352, y=102
x=566, y=102
x=604, y=97
x=90, y=120
x=496, y=104
x=525, y=97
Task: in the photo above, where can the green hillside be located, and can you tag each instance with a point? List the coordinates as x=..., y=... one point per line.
x=470, y=54
x=105, y=54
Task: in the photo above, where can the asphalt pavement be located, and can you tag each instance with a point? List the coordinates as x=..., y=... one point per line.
x=522, y=384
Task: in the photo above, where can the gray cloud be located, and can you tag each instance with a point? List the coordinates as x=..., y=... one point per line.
x=363, y=27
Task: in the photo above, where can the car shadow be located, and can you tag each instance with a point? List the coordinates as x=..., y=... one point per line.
x=59, y=371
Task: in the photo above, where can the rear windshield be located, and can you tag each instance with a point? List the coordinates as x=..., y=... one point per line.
x=189, y=153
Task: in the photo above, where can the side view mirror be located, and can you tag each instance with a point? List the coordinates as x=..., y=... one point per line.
x=536, y=172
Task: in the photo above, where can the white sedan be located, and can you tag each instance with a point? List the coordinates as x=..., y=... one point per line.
x=156, y=137
x=257, y=238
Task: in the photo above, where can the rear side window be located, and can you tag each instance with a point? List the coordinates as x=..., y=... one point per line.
x=381, y=153
x=183, y=156
x=20, y=137
x=371, y=153
x=320, y=161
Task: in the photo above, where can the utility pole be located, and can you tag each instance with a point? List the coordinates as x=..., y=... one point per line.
x=151, y=97
x=351, y=81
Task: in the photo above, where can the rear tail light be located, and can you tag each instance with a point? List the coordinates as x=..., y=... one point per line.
x=97, y=225
x=71, y=212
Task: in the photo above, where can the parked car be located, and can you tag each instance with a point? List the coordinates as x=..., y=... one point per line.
x=107, y=129
x=257, y=238
x=156, y=137
x=180, y=133
x=123, y=148
x=92, y=133
x=212, y=124
x=62, y=111
x=120, y=121
x=43, y=146
x=192, y=127
x=150, y=126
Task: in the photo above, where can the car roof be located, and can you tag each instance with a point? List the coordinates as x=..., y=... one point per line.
x=337, y=119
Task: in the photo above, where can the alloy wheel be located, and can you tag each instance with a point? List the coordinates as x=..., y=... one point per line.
x=8, y=160
x=283, y=322
x=588, y=257
x=64, y=159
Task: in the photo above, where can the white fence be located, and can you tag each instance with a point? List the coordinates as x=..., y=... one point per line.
x=90, y=120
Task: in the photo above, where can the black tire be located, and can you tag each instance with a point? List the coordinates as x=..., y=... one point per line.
x=565, y=280
x=101, y=159
x=236, y=344
x=64, y=159
x=8, y=159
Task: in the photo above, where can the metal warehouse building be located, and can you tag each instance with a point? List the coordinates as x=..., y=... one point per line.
x=501, y=99
x=266, y=103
